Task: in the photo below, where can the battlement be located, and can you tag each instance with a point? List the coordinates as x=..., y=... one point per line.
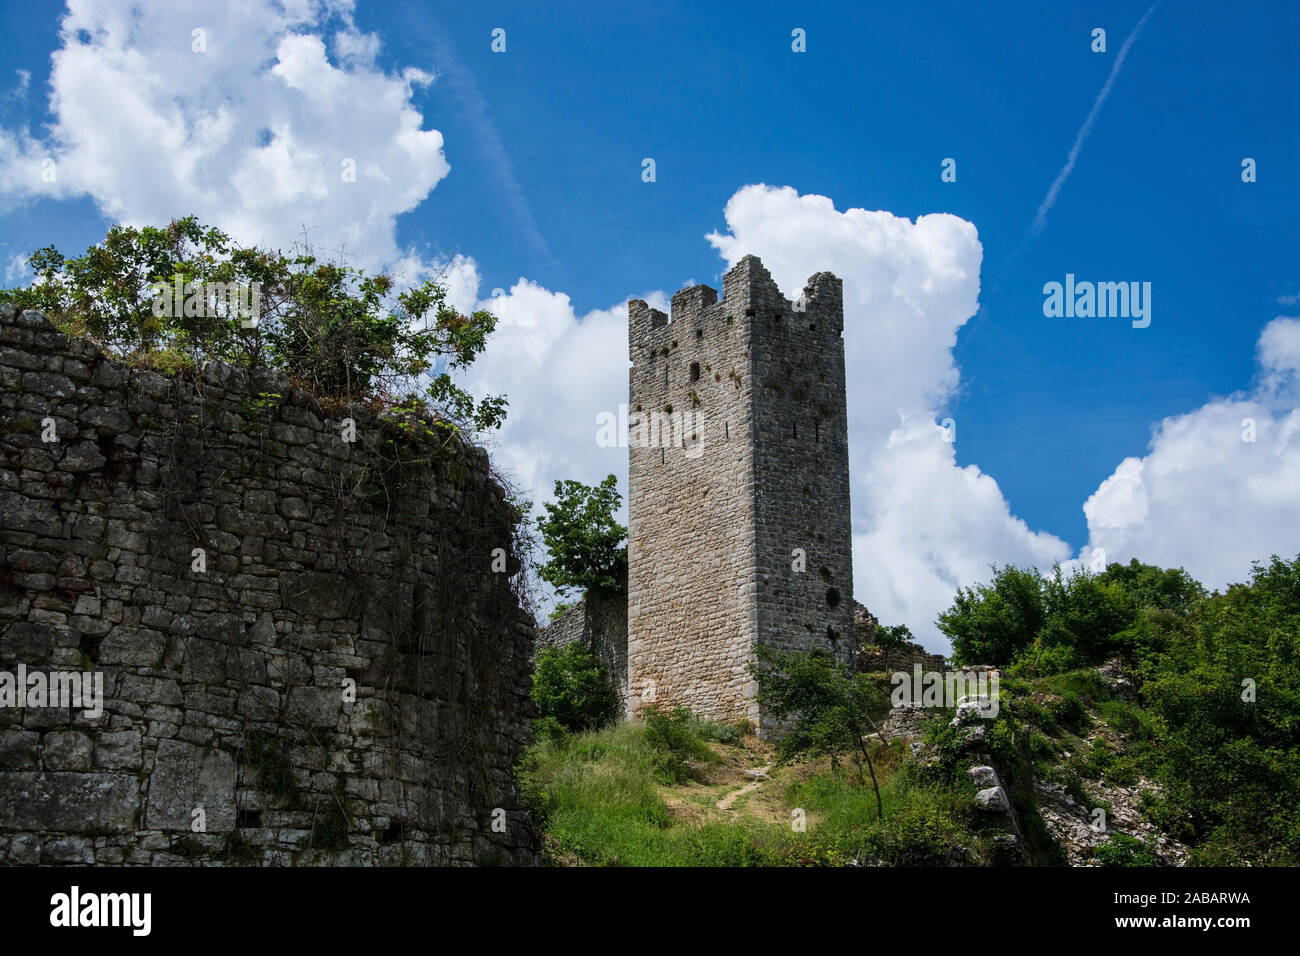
x=748, y=285
x=749, y=292
x=689, y=303
x=641, y=314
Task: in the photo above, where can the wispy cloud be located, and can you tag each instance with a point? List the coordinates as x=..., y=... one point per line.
x=475, y=106
x=19, y=92
x=1040, y=220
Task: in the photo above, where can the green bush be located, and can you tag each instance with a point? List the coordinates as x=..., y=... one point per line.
x=548, y=729
x=1041, y=660
x=346, y=335
x=1129, y=719
x=1042, y=626
x=672, y=736
x=571, y=687
x=1123, y=850
x=990, y=624
x=1069, y=713
x=719, y=733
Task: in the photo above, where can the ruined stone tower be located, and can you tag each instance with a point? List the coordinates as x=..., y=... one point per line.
x=738, y=499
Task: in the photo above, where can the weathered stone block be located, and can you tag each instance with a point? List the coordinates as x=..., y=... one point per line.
x=46, y=383
x=204, y=661
x=26, y=643
x=107, y=421
x=186, y=777
x=19, y=749
x=69, y=849
x=66, y=750
x=83, y=456
x=68, y=802
x=315, y=706
x=133, y=646
x=21, y=513
x=294, y=508
x=119, y=750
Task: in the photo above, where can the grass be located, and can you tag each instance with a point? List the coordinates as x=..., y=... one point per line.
x=648, y=794
x=602, y=799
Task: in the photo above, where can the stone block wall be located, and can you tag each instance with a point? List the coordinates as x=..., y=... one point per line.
x=303, y=644
x=600, y=622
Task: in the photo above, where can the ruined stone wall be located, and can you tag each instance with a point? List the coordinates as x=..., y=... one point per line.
x=327, y=566
x=872, y=658
x=716, y=515
x=600, y=622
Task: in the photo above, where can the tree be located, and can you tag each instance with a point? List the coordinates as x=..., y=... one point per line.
x=1226, y=692
x=334, y=329
x=1059, y=623
x=990, y=623
x=1085, y=612
x=1169, y=589
x=893, y=637
x=829, y=711
x=587, y=546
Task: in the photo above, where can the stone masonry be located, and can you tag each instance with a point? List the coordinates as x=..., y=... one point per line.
x=874, y=658
x=738, y=498
x=600, y=622
x=305, y=645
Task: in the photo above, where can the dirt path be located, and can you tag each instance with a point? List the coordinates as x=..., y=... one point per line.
x=729, y=800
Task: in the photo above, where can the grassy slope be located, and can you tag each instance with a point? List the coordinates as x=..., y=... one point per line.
x=608, y=797
x=603, y=800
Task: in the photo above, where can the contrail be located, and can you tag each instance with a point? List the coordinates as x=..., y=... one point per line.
x=1040, y=220
x=476, y=111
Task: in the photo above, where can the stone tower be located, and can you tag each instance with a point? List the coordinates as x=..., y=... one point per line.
x=738, y=500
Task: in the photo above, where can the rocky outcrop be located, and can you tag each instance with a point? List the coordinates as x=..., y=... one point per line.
x=1080, y=830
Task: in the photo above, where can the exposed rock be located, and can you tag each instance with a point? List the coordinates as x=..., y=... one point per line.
x=984, y=776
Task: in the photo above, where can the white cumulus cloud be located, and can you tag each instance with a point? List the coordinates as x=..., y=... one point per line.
x=1220, y=486
x=560, y=371
x=249, y=124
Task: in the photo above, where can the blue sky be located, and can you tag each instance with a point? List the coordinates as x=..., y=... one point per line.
x=545, y=144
